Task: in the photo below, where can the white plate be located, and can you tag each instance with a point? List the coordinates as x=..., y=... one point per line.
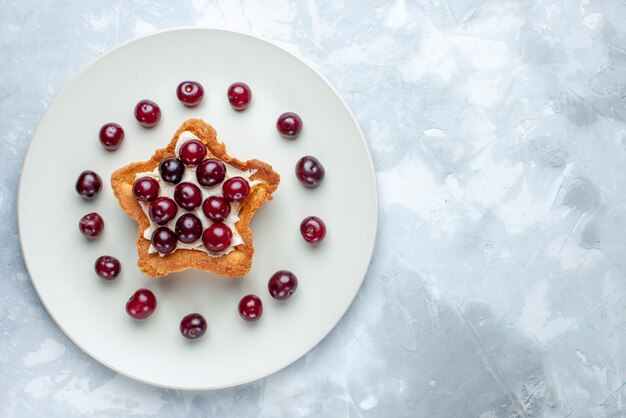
x=60, y=260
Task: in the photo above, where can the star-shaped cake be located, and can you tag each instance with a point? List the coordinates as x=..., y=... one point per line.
x=194, y=203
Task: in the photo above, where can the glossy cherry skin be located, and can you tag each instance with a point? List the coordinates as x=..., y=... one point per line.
x=282, y=284
x=217, y=237
x=239, y=95
x=163, y=240
x=141, y=304
x=251, y=308
x=210, y=172
x=188, y=228
x=146, y=189
x=88, y=184
x=236, y=189
x=107, y=267
x=147, y=113
x=190, y=93
x=172, y=170
x=188, y=195
x=193, y=326
x=310, y=171
x=289, y=125
x=313, y=230
x=91, y=225
x=216, y=208
x=162, y=210
x=111, y=136
x=192, y=152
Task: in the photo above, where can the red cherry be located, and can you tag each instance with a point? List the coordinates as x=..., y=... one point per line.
x=193, y=326
x=162, y=210
x=310, y=171
x=251, y=308
x=147, y=113
x=192, y=152
x=188, y=195
x=88, y=184
x=171, y=170
x=91, y=225
x=190, y=93
x=163, y=240
x=217, y=237
x=188, y=228
x=313, y=230
x=282, y=284
x=107, y=267
x=216, y=208
x=111, y=136
x=141, y=304
x=289, y=125
x=239, y=95
x=210, y=172
x=235, y=189
x=146, y=189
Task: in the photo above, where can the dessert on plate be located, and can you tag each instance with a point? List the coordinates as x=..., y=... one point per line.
x=194, y=203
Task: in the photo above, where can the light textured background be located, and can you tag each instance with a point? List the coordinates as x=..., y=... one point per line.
x=498, y=132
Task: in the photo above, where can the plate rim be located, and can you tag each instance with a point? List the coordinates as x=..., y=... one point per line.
x=63, y=91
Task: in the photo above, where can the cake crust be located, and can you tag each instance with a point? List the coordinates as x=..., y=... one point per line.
x=234, y=264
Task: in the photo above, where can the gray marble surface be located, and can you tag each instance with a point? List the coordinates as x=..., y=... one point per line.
x=498, y=132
